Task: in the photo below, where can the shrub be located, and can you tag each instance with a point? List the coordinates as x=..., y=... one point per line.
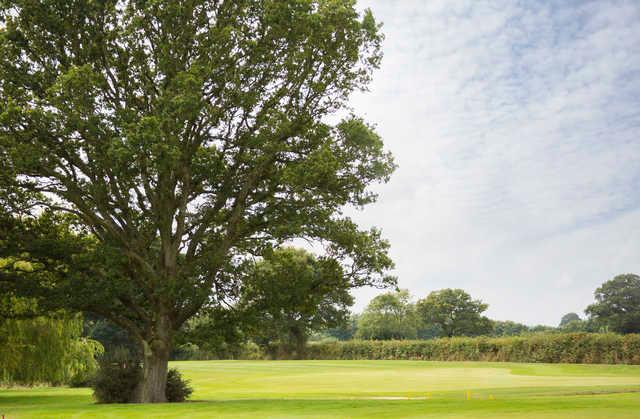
x=82, y=380
x=117, y=377
x=119, y=374
x=588, y=348
x=178, y=389
x=252, y=351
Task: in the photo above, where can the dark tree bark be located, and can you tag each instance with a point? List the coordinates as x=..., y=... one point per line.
x=154, y=381
x=300, y=342
x=155, y=353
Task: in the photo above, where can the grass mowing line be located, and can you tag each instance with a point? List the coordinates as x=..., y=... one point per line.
x=598, y=392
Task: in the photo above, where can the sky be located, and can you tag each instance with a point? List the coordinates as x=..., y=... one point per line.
x=516, y=129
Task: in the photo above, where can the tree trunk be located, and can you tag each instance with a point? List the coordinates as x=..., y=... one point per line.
x=300, y=341
x=155, y=351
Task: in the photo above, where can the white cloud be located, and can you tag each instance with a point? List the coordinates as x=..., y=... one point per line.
x=516, y=128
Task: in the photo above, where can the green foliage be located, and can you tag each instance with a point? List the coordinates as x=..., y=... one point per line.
x=578, y=326
x=509, y=328
x=571, y=322
x=388, y=316
x=454, y=312
x=345, y=331
x=541, y=328
x=588, y=348
x=569, y=317
x=428, y=330
x=617, y=304
x=118, y=377
x=239, y=350
x=178, y=389
x=290, y=294
x=110, y=335
x=45, y=350
x=213, y=334
x=185, y=137
x=191, y=351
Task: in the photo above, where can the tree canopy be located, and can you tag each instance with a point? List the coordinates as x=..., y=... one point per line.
x=569, y=317
x=183, y=138
x=454, y=312
x=388, y=316
x=617, y=304
x=508, y=328
x=290, y=294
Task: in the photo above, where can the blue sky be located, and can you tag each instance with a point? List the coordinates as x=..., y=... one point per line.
x=516, y=127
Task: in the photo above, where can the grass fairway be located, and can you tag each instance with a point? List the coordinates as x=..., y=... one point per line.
x=366, y=389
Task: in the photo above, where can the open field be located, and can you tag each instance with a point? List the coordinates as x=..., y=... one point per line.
x=366, y=389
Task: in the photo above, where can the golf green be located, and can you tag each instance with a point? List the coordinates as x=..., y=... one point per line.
x=365, y=389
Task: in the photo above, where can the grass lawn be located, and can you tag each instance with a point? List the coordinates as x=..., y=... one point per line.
x=365, y=389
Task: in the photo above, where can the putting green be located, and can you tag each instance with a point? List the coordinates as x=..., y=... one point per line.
x=366, y=389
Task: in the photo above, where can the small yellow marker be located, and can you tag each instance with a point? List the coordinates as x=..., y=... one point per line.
x=491, y=397
x=468, y=395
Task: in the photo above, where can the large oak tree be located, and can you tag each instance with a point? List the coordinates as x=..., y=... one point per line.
x=185, y=137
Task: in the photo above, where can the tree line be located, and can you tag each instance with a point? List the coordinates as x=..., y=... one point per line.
x=453, y=312
x=306, y=312
x=284, y=306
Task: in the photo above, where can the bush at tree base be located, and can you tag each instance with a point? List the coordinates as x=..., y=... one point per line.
x=117, y=377
x=587, y=348
x=119, y=374
x=178, y=389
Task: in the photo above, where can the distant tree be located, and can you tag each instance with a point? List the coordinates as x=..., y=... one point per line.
x=541, y=328
x=388, y=316
x=215, y=332
x=571, y=322
x=454, y=312
x=569, y=317
x=428, y=331
x=579, y=326
x=290, y=294
x=345, y=331
x=617, y=304
x=509, y=328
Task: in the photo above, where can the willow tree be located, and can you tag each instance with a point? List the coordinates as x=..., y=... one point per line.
x=45, y=350
x=187, y=136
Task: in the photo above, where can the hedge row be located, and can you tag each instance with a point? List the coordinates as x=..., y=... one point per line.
x=588, y=348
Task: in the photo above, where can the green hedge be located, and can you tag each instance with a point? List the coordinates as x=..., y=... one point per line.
x=588, y=348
